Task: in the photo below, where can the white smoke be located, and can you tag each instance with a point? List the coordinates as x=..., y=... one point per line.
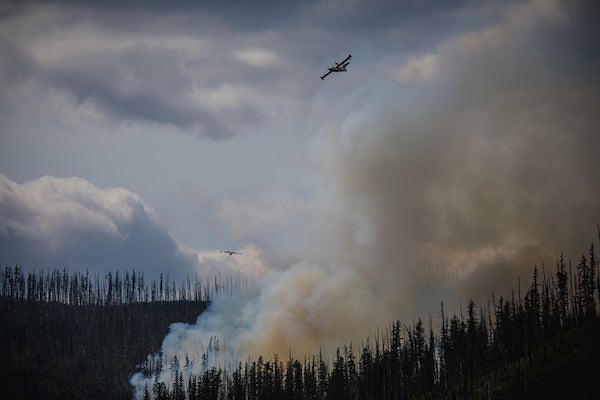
x=296, y=311
x=196, y=348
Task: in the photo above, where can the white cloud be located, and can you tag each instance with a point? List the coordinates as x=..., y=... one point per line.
x=69, y=221
x=49, y=209
x=223, y=97
x=257, y=57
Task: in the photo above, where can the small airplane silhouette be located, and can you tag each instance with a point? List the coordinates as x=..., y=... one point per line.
x=231, y=252
x=339, y=66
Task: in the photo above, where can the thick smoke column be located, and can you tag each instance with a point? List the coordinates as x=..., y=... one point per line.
x=480, y=162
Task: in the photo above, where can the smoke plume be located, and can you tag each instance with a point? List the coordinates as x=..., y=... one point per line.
x=478, y=161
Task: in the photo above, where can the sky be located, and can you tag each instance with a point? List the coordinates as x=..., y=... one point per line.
x=459, y=150
x=206, y=118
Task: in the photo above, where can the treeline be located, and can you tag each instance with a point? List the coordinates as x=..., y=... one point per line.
x=542, y=343
x=78, y=288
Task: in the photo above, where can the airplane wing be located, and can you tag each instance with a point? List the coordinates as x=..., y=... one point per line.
x=344, y=63
x=328, y=72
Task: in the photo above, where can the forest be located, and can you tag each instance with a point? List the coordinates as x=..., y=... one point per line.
x=543, y=343
x=70, y=335
x=73, y=335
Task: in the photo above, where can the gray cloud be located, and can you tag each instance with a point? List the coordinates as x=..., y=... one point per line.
x=188, y=65
x=182, y=78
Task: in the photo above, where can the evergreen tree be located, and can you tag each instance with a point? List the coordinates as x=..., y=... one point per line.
x=563, y=289
x=593, y=281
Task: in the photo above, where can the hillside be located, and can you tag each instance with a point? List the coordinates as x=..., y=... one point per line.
x=566, y=367
x=52, y=350
x=58, y=351
x=541, y=341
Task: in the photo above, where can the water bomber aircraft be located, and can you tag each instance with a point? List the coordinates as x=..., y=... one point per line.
x=231, y=252
x=339, y=66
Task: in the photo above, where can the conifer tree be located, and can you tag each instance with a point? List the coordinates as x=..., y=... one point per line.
x=562, y=288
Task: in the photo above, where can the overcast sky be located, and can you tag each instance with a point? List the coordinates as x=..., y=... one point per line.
x=464, y=135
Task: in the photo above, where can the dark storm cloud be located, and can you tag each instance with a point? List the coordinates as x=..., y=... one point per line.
x=71, y=223
x=137, y=64
x=179, y=64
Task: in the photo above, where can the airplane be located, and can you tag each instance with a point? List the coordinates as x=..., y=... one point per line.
x=339, y=66
x=231, y=252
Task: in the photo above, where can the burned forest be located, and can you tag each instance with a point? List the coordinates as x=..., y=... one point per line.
x=68, y=335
